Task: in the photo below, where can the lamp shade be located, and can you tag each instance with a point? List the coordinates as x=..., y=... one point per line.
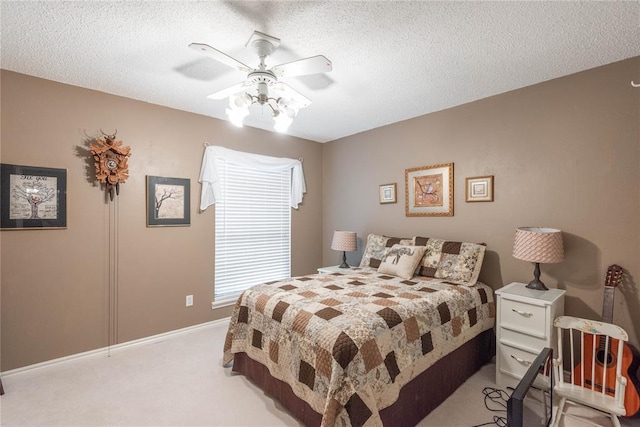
x=344, y=241
x=538, y=244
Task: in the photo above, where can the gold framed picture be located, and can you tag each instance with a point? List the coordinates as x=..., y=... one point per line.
x=429, y=190
x=387, y=193
x=479, y=189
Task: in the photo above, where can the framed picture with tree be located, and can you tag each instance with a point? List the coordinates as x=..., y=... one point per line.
x=32, y=197
x=168, y=201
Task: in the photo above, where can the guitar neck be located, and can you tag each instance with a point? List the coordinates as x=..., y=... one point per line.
x=607, y=304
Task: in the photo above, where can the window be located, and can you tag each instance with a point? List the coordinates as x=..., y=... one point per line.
x=253, y=195
x=253, y=228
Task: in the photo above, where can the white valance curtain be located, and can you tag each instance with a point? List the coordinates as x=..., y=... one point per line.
x=211, y=184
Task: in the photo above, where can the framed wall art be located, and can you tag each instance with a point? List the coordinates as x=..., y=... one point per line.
x=387, y=193
x=479, y=189
x=168, y=201
x=429, y=190
x=32, y=197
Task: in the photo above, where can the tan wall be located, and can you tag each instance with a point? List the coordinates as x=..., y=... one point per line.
x=65, y=291
x=564, y=153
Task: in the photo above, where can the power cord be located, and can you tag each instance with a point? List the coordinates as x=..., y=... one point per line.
x=495, y=400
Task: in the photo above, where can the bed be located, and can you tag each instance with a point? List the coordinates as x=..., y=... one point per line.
x=381, y=344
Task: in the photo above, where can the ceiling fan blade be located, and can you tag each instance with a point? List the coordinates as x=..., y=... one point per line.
x=303, y=67
x=285, y=91
x=220, y=56
x=224, y=93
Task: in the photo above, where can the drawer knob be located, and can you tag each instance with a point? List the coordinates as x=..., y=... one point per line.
x=522, y=313
x=524, y=362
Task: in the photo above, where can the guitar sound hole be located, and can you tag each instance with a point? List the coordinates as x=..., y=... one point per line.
x=604, y=358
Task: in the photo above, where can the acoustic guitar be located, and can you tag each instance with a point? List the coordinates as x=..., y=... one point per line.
x=606, y=361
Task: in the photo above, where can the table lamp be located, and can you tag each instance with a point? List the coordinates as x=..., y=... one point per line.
x=538, y=245
x=344, y=241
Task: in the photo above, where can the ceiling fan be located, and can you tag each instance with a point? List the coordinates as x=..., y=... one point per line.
x=262, y=85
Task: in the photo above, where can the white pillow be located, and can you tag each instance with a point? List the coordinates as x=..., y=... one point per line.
x=401, y=260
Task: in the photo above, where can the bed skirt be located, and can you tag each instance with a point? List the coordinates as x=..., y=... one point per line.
x=417, y=398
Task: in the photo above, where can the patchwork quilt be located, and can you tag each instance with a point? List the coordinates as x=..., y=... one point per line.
x=347, y=343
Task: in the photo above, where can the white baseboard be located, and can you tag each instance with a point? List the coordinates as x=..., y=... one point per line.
x=105, y=351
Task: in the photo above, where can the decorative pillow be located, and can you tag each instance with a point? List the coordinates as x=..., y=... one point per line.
x=455, y=261
x=376, y=247
x=401, y=260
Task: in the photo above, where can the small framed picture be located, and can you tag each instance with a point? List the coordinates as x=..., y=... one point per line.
x=388, y=193
x=32, y=197
x=429, y=190
x=479, y=189
x=168, y=201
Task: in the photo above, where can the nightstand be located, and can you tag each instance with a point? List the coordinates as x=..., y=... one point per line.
x=524, y=327
x=336, y=269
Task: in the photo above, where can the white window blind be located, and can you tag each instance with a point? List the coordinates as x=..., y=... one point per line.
x=253, y=228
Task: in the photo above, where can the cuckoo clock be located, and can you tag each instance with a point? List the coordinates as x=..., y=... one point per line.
x=111, y=162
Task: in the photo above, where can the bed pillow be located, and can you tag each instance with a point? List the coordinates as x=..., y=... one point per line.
x=458, y=262
x=376, y=247
x=401, y=260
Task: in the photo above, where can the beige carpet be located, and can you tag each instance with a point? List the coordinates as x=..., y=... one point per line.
x=179, y=382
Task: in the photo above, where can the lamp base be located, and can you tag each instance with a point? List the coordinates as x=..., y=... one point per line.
x=536, y=283
x=344, y=260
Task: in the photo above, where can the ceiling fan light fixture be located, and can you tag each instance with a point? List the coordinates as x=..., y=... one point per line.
x=284, y=114
x=287, y=107
x=282, y=121
x=240, y=100
x=237, y=115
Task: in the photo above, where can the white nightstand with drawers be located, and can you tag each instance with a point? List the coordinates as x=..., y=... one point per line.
x=524, y=327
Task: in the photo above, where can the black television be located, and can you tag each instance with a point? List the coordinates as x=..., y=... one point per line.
x=540, y=369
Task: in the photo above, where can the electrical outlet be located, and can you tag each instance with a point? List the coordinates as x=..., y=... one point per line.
x=189, y=300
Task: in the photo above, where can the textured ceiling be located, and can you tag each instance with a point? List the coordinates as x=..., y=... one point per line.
x=391, y=60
